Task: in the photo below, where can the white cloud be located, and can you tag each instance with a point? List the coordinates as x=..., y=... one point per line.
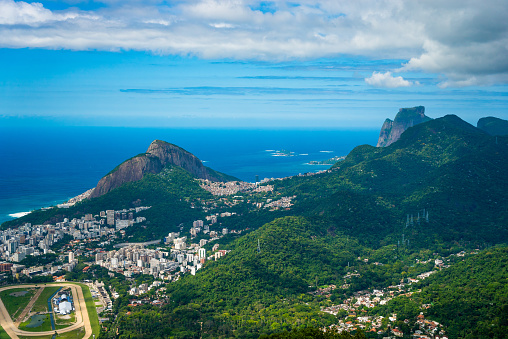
x=222, y=25
x=459, y=83
x=460, y=40
x=32, y=14
x=387, y=80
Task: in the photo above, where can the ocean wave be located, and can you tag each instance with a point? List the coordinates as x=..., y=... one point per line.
x=19, y=214
x=325, y=151
x=304, y=154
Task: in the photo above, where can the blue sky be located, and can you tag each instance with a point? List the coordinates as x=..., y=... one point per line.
x=250, y=64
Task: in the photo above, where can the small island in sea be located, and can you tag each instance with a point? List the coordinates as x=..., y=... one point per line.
x=283, y=153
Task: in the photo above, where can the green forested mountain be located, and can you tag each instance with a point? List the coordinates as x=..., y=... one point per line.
x=249, y=292
x=493, y=125
x=449, y=168
x=373, y=220
x=472, y=292
x=470, y=299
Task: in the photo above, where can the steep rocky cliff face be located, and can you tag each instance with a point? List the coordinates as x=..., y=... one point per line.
x=407, y=117
x=158, y=155
x=493, y=126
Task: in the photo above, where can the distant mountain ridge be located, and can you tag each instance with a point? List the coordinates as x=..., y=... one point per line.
x=159, y=155
x=407, y=117
x=493, y=126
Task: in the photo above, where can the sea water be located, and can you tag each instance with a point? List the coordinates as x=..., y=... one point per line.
x=45, y=166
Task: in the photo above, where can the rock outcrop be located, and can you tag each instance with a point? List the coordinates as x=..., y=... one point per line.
x=407, y=117
x=493, y=126
x=158, y=155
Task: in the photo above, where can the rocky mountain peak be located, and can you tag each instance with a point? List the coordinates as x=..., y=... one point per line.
x=405, y=118
x=159, y=155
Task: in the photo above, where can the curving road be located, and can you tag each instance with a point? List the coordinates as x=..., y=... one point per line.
x=82, y=318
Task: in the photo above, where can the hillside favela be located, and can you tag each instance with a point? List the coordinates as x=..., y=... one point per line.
x=253, y=169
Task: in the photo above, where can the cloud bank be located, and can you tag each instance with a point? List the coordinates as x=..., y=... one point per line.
x=465, y=41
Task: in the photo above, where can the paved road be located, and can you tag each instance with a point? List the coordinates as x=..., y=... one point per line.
x=82, y=317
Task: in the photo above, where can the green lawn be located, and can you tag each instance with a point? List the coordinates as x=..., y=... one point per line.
x=76, y=334
x=63, y=323
x=41, y=305
x=15, y=305
x=3, y=334
x=46, y=325
x=38, y=337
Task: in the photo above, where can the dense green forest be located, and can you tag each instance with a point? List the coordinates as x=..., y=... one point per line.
x=313, y=333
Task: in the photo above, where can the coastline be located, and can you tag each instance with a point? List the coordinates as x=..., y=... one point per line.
x=79, y=165
x=66, y=204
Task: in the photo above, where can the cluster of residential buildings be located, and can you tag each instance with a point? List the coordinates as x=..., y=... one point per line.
x=98, y=291
x=232, y=187
x=76, y=199
x=308, y=174
x=161, y=263
x=283, y=202
x=355, y=308
x=16, y=244
x=36, y=240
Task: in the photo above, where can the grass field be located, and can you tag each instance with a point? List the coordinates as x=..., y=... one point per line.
x=3, y=334
x=38, y=337
x=46, y=325
x=41, y=305
x=16, y=305
x=76, y=334
x=63, y=323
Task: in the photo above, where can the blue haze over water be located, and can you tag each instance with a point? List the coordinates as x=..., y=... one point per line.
x=45, y=166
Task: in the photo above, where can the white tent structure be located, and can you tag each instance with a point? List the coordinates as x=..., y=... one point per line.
x=64, y=307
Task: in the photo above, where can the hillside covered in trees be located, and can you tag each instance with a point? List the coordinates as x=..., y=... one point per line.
x=374, y=220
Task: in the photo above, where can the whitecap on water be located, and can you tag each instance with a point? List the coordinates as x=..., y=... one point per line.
x=19, y=214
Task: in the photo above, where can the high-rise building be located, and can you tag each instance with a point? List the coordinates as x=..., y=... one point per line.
x=180, y=243
x=197, y=223
x=71, y=257
x=110, y=217
x=12, y=245
x=99, y=256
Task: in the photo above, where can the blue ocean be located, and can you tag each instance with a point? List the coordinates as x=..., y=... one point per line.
x=45, y=166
